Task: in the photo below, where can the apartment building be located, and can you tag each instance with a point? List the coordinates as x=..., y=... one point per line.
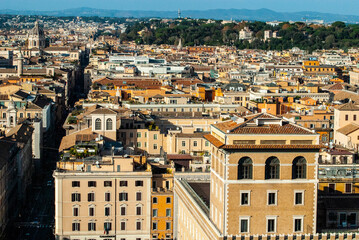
x=143, y=140
x=338, y=190
x=102, y=198
x=16, y=170
x=263, y=181
x=346, y=125
x=162, y=201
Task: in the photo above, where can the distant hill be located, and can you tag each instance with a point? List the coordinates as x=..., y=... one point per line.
x=225, y=14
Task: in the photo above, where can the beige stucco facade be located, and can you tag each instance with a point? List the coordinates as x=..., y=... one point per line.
x=100, y=200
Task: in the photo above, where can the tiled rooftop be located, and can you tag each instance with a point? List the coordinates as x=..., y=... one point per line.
x=250, y=126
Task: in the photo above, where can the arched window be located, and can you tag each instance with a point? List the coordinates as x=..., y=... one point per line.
x=245, y=166
x=109, y=124
x=98, y=124
x=299, y=168
x=272, y=168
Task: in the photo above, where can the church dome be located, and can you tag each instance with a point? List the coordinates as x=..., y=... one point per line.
x=36, y=30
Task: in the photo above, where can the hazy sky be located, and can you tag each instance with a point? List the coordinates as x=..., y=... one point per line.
x=329, y=6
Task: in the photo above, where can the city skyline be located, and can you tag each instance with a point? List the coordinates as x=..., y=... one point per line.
x=166, y=125
x=347, y=7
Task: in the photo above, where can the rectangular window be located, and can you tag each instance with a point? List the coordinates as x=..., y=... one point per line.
x=168, y=212
x=138, y=225
x=123, y=211
x=348, y=188
x=346, y=117
x=91, y=197
x=331, y=187
x=154, y=226
x=351, y=219
x=118, y=168
x=298, y=198
x=123, y=196
x=107, y=211
x=107, y=183
x=138, y=211
x=354, y=117
x=139, y=183
x=168, y=225
x=155, y=146
x=271, y=225
x=107, y=226
x=75, y=211
x=92, y=183
x=244, y=225
x=75, y=226
x=123, y=226
x=75, y=183
x=107, y=197
x=195, y=143
x=92, y=226
x=154, y=200
x=245, y=198
x=123, y=183
x=154, y=212
x=138, y=196
x=183, y=143
x=91, y=211
x=155, y=136
x=139, y=144
x=298, y=224
x=76, y=197
x=272, y=198
x=138, y=134
x=168, y=200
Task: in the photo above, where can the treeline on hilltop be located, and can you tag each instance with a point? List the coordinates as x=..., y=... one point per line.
x=214, y=33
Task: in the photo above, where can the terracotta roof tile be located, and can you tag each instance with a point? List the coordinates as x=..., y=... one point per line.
x=212, y=139
x=227, y=125
x=348, y=107
x=103, y=111
x=348, y=129
x=70, y=140
x=287, y=128
x=250, y=126
x=86, y=137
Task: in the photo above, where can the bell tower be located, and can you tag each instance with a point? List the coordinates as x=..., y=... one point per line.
x=11, y=115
